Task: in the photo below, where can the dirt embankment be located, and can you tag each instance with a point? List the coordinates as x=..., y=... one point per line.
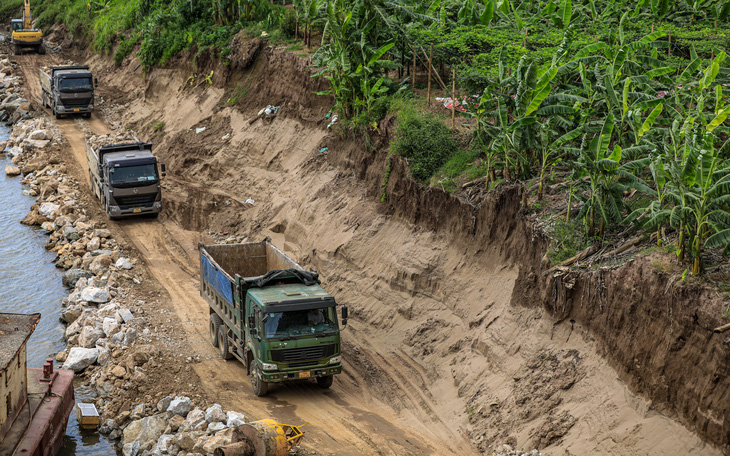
x=654, y=329
x=436, y=344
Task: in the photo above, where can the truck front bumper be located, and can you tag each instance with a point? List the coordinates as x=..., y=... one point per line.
x=74, y=109
x=116, y=211
x=281, y=376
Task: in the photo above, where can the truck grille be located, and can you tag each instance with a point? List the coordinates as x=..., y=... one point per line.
x=136, y=200
x=76, y=102
x=298, y=355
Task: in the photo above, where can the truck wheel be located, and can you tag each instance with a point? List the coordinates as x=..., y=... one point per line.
x=223, y=344
x=325, y=382
x=87, y=115
x=41, y=49
x=55, y=113
x=215, y=323
x=260, y=387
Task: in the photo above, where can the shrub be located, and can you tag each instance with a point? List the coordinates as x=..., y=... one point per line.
x=424, y=140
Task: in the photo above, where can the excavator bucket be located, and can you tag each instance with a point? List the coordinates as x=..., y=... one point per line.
x=262, y=438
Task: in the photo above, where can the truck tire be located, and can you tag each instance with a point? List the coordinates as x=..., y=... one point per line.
x=326, y=381
x=223, y=344
x=42, y=49
x=215, y=323
x=87, y=115
x=260, y=387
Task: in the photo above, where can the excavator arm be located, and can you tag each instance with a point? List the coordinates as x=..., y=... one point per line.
x=27, y=20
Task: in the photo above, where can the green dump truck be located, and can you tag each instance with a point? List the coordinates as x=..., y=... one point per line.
x=270, y=314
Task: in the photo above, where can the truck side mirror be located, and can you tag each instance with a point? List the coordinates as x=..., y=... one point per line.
x=344, y=316
x=162, y=168
x=96, y=82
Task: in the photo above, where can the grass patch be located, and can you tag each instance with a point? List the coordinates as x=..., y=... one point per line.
x=568, y=238
x=238, y=92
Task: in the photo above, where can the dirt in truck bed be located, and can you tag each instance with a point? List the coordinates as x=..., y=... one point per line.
x=437, y=359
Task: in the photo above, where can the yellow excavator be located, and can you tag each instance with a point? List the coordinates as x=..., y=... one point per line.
x=23, y=35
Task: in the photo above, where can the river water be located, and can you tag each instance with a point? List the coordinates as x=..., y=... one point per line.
x=31, y=284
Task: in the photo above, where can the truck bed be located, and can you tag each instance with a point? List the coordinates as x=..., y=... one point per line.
x=249, y=260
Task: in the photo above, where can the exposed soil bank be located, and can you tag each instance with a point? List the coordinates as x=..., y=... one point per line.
x=446, y=341
x=656, y=331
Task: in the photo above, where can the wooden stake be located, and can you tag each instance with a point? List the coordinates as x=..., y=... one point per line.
x=652, y=28
x=425, y=63
x=413, y=76
x=453, y=98
x=430, y=66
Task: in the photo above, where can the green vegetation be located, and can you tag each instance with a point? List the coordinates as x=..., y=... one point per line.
x=236, y=94
x=424, y=140
x=568, y=240
x=617, y=97
x=10, y=9
x=161, y=29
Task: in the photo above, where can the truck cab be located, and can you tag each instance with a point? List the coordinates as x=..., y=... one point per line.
x=291, y=327
x=125, y=177
x=68, y=90
x=132, y=183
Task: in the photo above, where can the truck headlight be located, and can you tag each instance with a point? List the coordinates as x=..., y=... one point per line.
x=114, y=209
x=269, y=366
x=157, y=205
x=335, y=360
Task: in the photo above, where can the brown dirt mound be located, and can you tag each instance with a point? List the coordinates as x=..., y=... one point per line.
x=431, y=278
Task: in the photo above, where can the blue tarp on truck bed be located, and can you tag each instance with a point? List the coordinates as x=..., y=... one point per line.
x=217, y=280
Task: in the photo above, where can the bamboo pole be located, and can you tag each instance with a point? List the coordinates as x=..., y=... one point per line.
x=413, y=75
x=453, y=98
x=438, y=78
x=430, y=66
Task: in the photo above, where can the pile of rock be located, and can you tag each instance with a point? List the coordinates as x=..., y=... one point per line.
x=507, y=450
x=28, y=135
x=13, y=107
x=108, y=342
x=97, y=141
x=173, y=426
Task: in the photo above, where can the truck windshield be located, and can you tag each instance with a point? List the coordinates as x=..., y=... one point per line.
x=75, y=85
x=17, y=26
x=130, y=176
x=299, y=323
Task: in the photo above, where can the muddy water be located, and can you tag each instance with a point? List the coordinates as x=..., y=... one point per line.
x=30, y=284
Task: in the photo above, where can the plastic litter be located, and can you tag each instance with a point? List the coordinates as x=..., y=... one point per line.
x=448, y=103
x=199, y=130
x=333, y=121
x=269, y=110
x=324, y=149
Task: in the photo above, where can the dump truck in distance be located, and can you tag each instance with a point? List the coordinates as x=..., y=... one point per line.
x=125, y=177
x=270, y=314
x=68, y=90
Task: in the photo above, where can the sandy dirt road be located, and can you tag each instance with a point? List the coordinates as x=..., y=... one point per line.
x=344, y=420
